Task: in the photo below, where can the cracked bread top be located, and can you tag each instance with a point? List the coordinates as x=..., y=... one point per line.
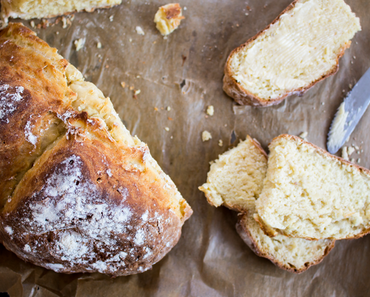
x=80, y=193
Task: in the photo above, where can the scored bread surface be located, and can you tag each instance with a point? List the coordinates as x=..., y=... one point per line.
x=29, y=9
x=235, y=180
x=79, y=193
x=311, y=194
x=299, y=48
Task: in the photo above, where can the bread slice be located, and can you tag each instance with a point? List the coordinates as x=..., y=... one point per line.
x=311, y=194
x=78, y=192
x=235, y=180
x=299, y=48
x=28, y=9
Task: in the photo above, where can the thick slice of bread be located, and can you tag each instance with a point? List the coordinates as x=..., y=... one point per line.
x=235, y=180
x=78, y=192
x=298, y=49
x=311, y=194
x=29, y=9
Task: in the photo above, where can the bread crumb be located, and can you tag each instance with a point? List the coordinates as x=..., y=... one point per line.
x=345, y=153
x=358, y=160
x=123, y=84
x=220, y=143
x=79, y=43
x=139, y=30
x=206, y=136
x=131, y=88
x=98, y=45
x=350, y=150
x=64, y=21
x=155, y=108
x=111, y=18
x=352, y=160
x=303, y=135
x=168, y=18
x=32, y=23
x=210, y=110
x=137, y=92
x=167, y=129
x=168, y=108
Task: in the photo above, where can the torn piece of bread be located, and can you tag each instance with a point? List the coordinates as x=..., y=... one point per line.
x=297, y=50
x=168, y=18
x=29, y=9
x=235, y=180
x=78, y=192
x=311, y=194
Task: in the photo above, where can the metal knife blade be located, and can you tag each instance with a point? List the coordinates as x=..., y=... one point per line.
x=349, y=114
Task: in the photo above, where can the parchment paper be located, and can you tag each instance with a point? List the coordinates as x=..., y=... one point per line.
x=210, y=258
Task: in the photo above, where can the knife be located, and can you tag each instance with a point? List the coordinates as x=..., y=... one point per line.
x=349, y=114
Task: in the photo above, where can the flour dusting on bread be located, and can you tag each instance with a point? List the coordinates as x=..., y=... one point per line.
x=9, y=97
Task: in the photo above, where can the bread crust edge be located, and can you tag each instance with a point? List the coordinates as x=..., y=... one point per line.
x=247, y=237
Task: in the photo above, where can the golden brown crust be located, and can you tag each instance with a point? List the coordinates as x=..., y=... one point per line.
x=172, y=11
x=76, y=200
x=272, y=231
x=243, y=231
x=243, y=97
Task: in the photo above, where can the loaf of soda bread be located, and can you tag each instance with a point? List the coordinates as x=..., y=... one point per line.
x=78, y=192
x=235, y=180
x=301, y=47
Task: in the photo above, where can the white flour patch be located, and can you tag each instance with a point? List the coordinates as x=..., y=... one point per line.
x=8, y=100
x=144, y=217
x=9, y=230
x=139, y=237
x=27, y=248
x=31, y=138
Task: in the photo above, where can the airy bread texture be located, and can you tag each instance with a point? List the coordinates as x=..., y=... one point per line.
x=29, y=9
x=300, y=48
x=235, y=180
x=311, y=194
x=79, y=193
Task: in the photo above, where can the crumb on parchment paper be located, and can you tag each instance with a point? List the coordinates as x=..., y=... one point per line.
x=79, y=43
x=168, y=18
x=206, y=136
x=210, y=110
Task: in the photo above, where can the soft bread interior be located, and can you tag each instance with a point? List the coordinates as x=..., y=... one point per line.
x=236, y=180
x=28, y=9
x=311, y=194
x=300, y=48
x=293, y=254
